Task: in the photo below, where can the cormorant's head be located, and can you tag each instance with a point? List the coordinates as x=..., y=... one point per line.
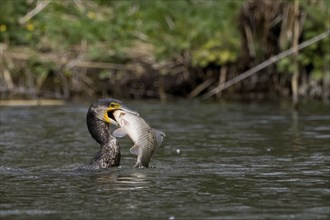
x=100, y=114
x=103, y=109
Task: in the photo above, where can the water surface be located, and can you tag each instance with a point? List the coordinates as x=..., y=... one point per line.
x=218, y=161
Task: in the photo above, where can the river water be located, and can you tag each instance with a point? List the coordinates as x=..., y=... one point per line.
x=218, y=161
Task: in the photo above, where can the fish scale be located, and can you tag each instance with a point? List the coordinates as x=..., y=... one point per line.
x=143, y=136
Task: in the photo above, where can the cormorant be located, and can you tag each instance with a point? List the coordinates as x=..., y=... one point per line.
x=99, y=117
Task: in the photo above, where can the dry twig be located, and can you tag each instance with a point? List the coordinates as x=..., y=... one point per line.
x=40, y=6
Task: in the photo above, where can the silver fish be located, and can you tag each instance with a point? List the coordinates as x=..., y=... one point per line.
x=145, y=138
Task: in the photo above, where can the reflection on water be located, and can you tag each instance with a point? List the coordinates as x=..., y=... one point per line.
x=236, y=161
x=129, y=182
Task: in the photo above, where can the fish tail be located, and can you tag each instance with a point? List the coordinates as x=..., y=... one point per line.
x=140, y=164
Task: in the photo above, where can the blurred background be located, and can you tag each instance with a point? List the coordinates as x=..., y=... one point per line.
x=162, y=49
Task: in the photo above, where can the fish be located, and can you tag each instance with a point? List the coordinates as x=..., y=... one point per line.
x=145, y=138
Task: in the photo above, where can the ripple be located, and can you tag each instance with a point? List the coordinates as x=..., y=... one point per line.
x=236, y=161
x=26, y=212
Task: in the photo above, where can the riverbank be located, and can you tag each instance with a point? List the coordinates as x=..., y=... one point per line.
x=184, y=51
x=38, y=102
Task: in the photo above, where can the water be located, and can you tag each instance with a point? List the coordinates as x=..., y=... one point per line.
x=218, y=161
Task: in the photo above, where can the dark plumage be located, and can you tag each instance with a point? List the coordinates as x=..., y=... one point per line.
x=98, y=122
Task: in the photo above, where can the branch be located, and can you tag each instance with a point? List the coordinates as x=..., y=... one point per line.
x=40, y=6
x=201, y=87
x=264, y=64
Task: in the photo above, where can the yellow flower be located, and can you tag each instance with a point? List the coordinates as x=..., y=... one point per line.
x=91, y=15
x=29, y=26
x=3, y=28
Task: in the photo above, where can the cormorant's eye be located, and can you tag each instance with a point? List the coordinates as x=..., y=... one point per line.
x=112, y=105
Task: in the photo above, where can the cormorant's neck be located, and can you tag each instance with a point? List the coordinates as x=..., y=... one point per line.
x=99, y=130
x=109, y=154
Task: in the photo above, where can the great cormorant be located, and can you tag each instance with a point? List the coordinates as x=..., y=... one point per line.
x=99, y=117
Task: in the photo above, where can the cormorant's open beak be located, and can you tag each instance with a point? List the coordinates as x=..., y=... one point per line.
x=108, y=116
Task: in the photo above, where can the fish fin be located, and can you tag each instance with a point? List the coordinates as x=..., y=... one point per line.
x=159, y=136
x=135, y=149
x=124, y=122
x=120, y=132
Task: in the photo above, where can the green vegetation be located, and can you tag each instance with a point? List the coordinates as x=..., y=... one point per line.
x=70, y=47
x=109, y=27
x=316, y=56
